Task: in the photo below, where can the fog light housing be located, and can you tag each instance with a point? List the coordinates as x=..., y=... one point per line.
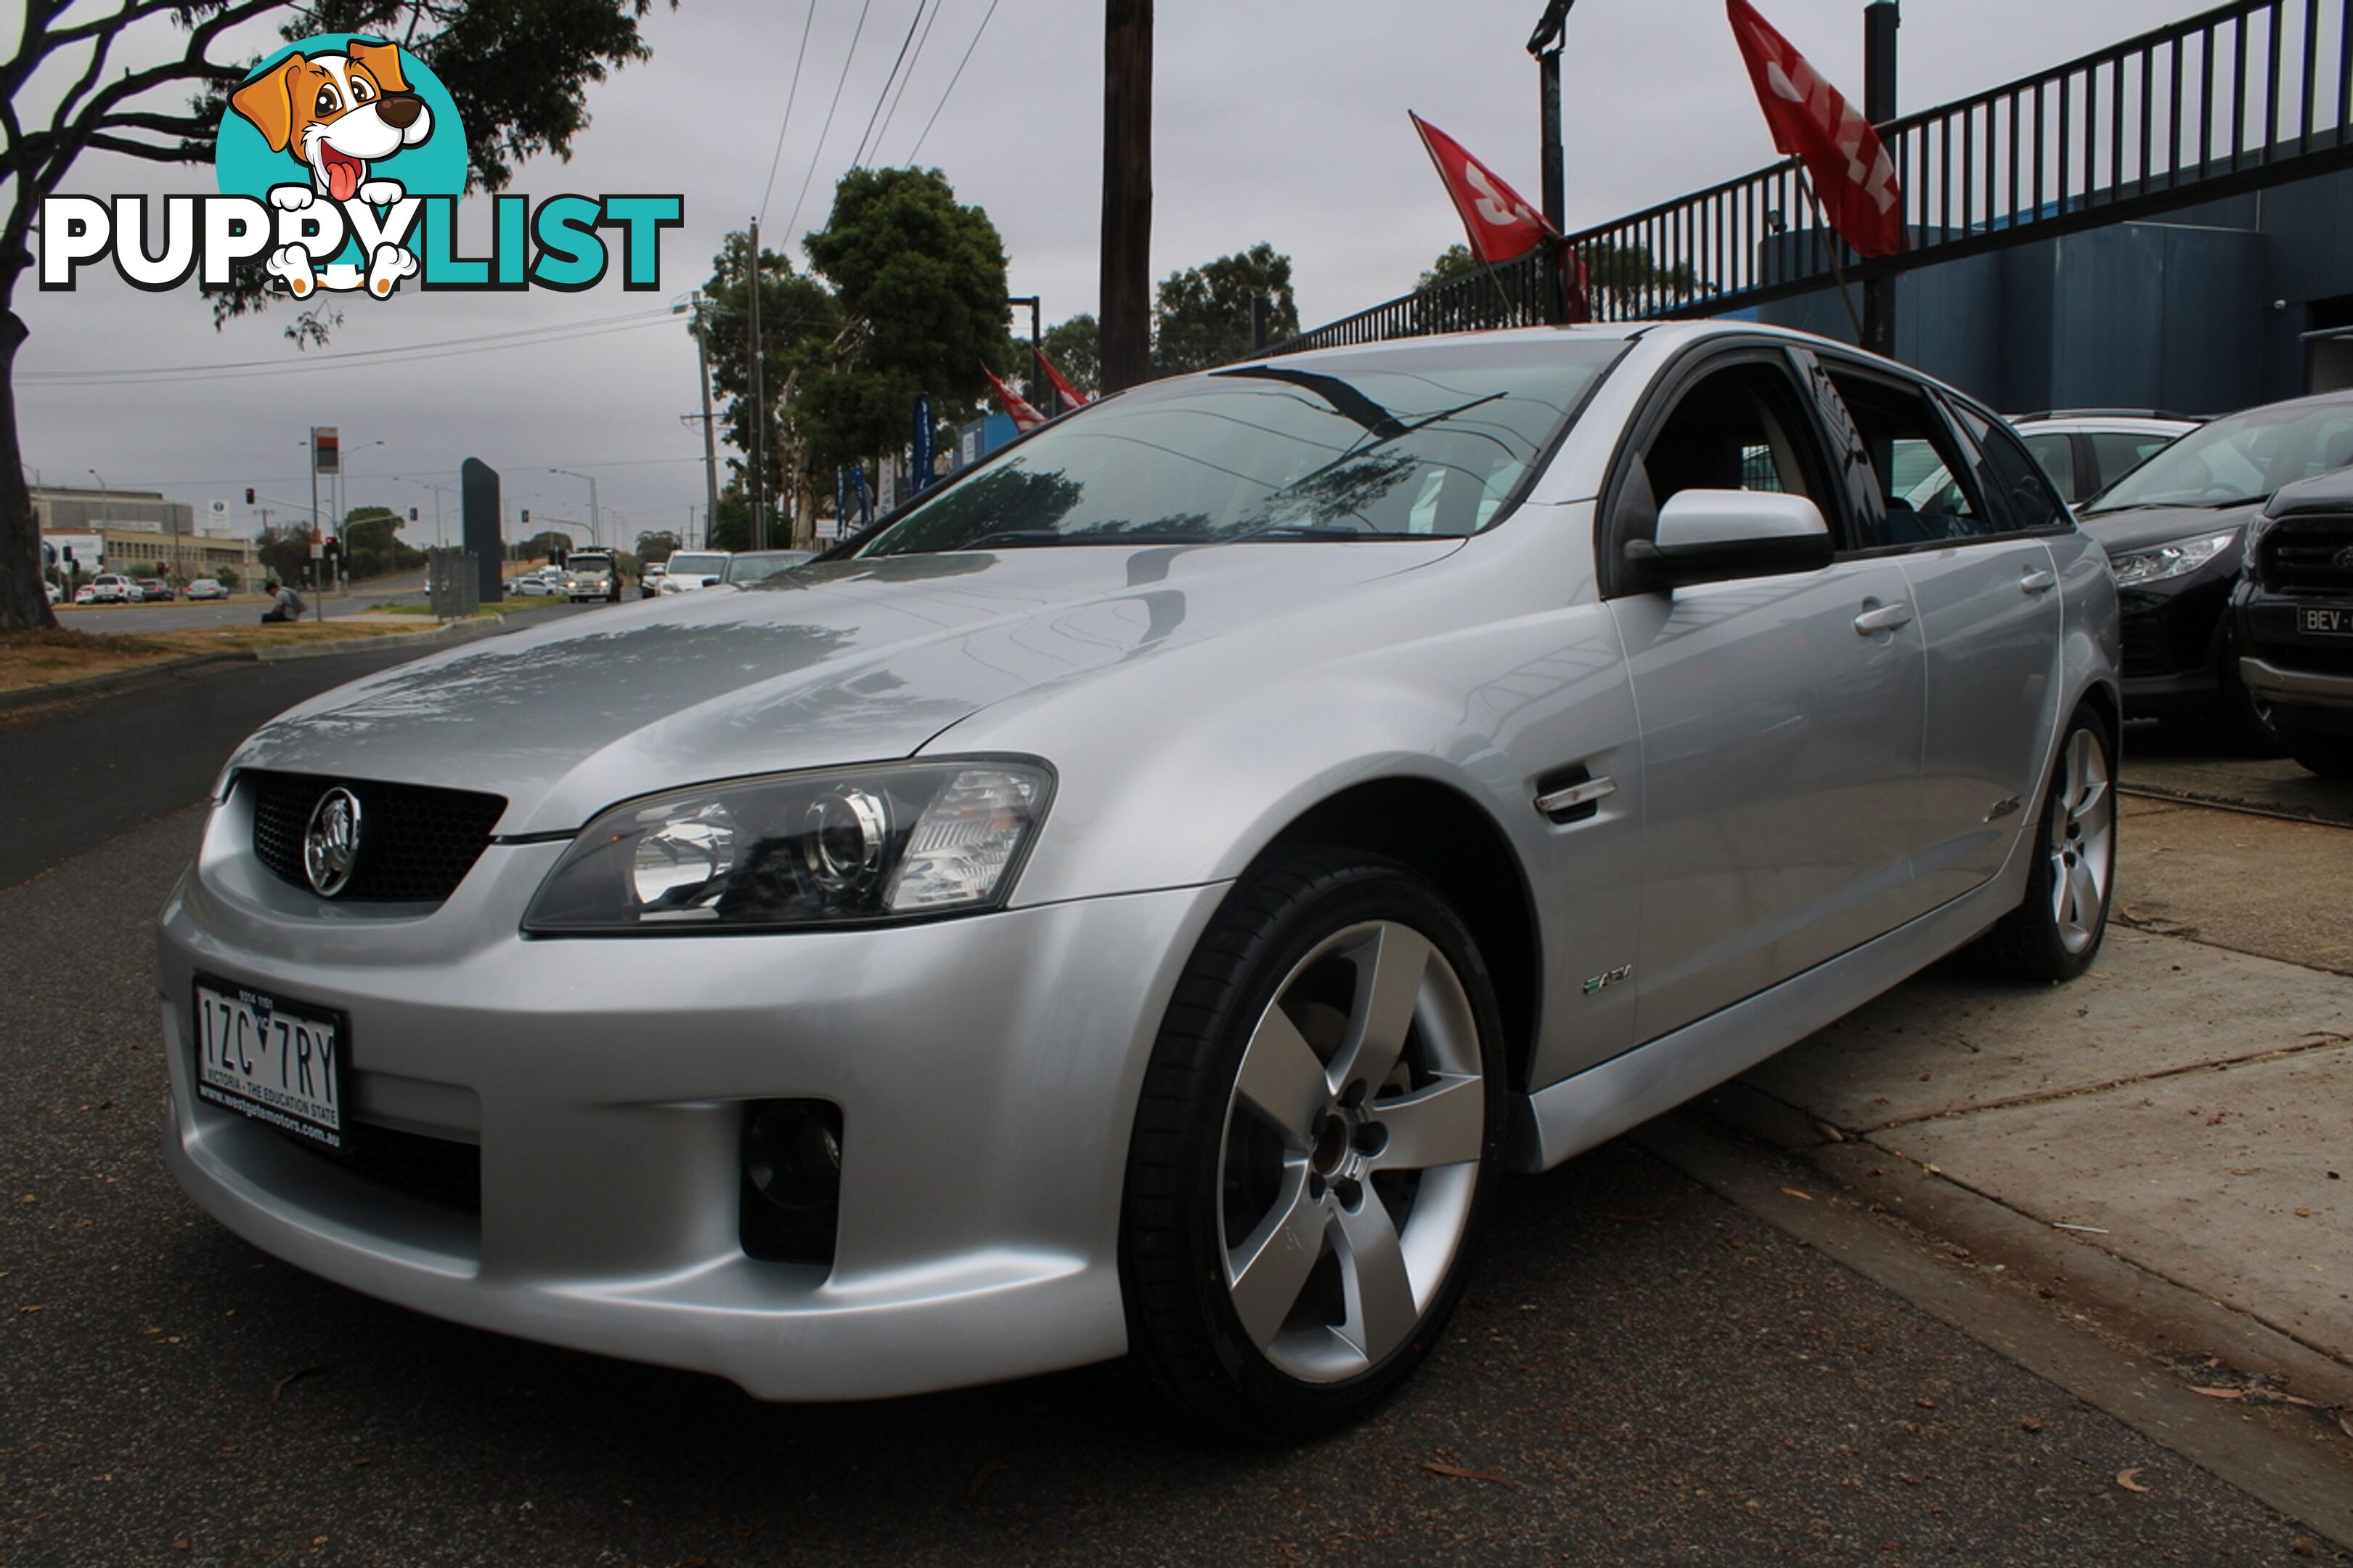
x=790, y=1203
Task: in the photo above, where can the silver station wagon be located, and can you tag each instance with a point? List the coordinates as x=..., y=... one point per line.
x=1141, y=900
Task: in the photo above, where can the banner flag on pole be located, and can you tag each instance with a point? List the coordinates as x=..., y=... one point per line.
x=1071, y=395
x=1501, y=223
x=1025, y=417
x=1853, y=176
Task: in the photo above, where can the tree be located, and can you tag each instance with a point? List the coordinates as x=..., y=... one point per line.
x=228, y=577
x=1076, y=348
x=286, y=551
x=658, y=545
x=920, y=278
x=519, y=70
x=1626, y=279
x=1204, y=313
x=800, y=321
x=553, y=544
x=1454, y=261
x=371, y=547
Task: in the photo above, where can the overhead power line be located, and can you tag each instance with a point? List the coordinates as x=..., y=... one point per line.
x=357, y=358
x=892, y=113
x=858, y=157
x=817, y=150
x=943, y=103
x=785, y=124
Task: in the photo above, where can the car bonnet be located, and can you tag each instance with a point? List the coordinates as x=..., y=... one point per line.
x=839, y=662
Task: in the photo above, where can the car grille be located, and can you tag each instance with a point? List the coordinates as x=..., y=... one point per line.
x=416, y=843
x=2299, y=556
x=435, y=1170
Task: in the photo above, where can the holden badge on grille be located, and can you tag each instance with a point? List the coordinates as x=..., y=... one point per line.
x=332, y=843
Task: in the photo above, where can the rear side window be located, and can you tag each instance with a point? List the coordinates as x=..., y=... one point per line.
x=2055, y=450
x=1927, y=492
x=2009, y=478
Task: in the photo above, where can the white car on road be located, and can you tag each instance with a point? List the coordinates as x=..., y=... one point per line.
x=689, y=570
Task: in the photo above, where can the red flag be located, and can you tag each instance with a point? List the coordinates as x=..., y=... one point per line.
x=1025, y=418
x=1502, y=226
x=1852, y=173
x=1071, y=395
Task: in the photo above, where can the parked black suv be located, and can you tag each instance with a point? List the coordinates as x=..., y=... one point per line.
x=2174, y=529
x=2295, y=613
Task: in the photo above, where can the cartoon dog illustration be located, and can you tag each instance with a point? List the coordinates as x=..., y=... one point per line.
x=336, y=114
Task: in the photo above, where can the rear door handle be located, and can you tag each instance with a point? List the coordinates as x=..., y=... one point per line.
x=2038, y=583
x=1886, y=618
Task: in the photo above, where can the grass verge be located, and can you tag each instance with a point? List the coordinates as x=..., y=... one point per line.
x=51, y=658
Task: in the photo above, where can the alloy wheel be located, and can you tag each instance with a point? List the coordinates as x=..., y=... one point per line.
x=1351, y=1152
x=2081, y=847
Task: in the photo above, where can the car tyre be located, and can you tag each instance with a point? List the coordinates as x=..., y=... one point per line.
x=1316, y=1142
x=2330, y=756
x=2056, y=932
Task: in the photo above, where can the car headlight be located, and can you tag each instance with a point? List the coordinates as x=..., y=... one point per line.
x=2174, y=560
x=897, y=841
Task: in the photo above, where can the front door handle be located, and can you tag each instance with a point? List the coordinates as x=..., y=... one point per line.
x=2038, y=583
x=1886, y=618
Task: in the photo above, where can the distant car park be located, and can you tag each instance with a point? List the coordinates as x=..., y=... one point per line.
x=2088, y=450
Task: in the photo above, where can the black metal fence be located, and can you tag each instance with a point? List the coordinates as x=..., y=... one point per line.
x=2248, y=94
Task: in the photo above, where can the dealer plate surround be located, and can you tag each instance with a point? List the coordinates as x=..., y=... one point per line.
x=276, y=1060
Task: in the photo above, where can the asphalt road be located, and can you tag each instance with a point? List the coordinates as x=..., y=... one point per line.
x=1642, y=1374
x=71, y=781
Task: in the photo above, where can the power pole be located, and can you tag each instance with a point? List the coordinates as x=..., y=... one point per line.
x=759, y=402
x=710, y=446
x=1544, y=44
x=1880, y=18
x=1126, y=300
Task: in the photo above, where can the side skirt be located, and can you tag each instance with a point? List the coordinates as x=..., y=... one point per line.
x=1567, y=1117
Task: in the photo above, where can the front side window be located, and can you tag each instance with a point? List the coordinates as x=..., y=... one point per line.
x=1924, y=485
x=2121, y=451
x=1425, y=442
x=1738, y=429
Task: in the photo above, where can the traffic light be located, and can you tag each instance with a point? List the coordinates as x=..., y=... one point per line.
x=248, y=495
x=411, y=514
x=526, y=517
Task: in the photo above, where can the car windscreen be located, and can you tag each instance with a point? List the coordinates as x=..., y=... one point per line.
x=758, y=567
x=590, y=564
x=697, y=566
x=2246, y=458
x=1432, y=441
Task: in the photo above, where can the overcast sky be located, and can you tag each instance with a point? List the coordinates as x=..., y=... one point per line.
x=1282, y=121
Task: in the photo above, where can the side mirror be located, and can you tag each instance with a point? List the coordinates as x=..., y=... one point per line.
x=712, y=582
x=1714, y=536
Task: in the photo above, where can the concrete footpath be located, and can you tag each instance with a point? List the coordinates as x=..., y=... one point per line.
x=2166, y=1142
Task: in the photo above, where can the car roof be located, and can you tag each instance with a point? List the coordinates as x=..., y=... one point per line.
x=2095, y=424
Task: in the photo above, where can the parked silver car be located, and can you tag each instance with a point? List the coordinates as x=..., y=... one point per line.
x=1141, y=902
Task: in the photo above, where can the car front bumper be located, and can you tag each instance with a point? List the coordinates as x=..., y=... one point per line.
x=987, y=1070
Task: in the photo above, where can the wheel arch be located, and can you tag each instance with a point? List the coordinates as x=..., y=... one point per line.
x=1450, y=839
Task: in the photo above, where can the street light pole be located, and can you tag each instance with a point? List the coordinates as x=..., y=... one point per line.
x=593, y=541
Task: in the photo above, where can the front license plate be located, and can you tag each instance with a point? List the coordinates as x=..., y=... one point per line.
x=273, y=1059
x=2327, y=623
